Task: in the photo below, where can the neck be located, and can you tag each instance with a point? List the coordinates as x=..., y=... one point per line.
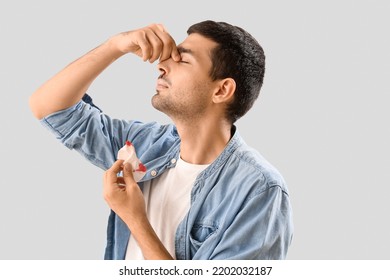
x=203, y=141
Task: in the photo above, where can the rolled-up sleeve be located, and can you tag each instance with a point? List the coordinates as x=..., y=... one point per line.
x=98, y=137
x=87, y=130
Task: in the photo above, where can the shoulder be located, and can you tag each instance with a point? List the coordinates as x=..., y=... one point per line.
x=250, y=165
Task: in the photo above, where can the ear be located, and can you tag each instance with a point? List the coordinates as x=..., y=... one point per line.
x=225, y=91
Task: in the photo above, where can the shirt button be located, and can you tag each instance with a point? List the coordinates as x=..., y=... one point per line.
x=153, y=173
x=173, y=161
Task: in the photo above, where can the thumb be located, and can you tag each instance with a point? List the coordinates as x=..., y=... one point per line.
x=128, y=174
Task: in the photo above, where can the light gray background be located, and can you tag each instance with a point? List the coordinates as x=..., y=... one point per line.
x=322, y=118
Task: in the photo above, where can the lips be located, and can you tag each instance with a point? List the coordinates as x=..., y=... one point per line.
x=161, y=84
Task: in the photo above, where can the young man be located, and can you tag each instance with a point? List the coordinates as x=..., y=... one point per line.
x=206, y=194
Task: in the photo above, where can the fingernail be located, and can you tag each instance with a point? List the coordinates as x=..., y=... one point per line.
x=128, y=166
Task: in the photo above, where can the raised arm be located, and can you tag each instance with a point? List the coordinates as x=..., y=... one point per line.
x=68, y=86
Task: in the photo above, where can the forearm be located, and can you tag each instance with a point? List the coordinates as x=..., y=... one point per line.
x=68, y=86
x=148, y=241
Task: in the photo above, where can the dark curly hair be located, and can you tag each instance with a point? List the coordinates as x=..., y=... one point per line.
x=238, y=56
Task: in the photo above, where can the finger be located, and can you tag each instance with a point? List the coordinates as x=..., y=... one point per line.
x=116, y=167
x=111, y=173
x=150, y=42
x=171, y=51
x=161, y=27
x=175, y=54
x=156, y=46
x=168, y=48
x=128, y=174
x=111, y=180
x=121, y=182
x=145, y=47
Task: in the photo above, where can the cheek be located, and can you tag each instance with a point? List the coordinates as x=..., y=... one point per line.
x=191, y=85
x=195, y=81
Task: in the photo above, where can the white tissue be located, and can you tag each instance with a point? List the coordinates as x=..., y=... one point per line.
x=127, y=153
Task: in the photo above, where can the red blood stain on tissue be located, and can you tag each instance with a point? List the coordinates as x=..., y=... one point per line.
x=141, y=168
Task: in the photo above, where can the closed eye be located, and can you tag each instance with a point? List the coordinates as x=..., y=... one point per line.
x=184, y=52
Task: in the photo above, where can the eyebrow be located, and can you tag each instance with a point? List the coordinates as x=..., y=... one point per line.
x=184, y=50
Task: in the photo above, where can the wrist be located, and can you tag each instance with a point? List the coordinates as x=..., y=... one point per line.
x=122, y=43
x=114, y=46
x=139, y=223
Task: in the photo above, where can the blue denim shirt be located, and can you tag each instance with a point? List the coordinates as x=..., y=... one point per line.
x=240, y=207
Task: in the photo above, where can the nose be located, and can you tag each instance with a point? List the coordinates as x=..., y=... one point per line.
x=164, y=66
x=162, y=69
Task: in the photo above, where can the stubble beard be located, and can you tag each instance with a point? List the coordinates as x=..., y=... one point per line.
x=184, y=110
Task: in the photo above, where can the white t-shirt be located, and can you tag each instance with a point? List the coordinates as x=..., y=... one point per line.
x=167, y=200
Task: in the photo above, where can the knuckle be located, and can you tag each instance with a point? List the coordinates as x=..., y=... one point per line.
x=159, y=44
x=153, y=25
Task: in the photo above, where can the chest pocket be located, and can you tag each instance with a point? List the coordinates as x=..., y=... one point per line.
x=200, y=232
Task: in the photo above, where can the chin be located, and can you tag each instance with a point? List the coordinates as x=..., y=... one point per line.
x=155, y=102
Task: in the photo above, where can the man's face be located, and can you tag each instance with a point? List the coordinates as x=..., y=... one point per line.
x=184, y=88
